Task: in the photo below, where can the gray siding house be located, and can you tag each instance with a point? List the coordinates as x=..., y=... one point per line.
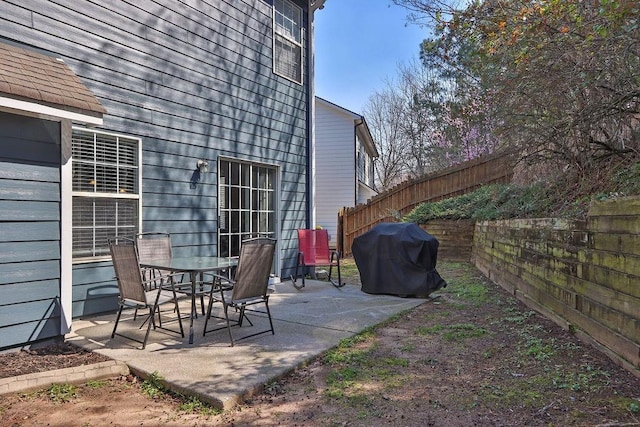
x=190, y=117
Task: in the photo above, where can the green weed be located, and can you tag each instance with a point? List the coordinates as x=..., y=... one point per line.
x=273, y=388
x=345, y=352
x=454, y=332
x=193, y=405
x=408, y=347
x=96, y=383
x=61, y=393
x=463, y=331
x=429, y=330
x=152, y=386
x=536, y=348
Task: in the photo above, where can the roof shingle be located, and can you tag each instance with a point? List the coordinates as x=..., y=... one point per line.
x=36, y=77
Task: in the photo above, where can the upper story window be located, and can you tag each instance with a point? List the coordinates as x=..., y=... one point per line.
x=287, y=40
x=364, y=164
x=106, y=190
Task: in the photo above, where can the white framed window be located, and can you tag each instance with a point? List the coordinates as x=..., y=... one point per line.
x=287, y=40
x=106, y=190
x=247, y=207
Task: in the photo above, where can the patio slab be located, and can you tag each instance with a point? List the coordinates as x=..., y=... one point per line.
x=306, y=323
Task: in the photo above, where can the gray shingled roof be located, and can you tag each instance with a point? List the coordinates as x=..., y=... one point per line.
x=31, y=76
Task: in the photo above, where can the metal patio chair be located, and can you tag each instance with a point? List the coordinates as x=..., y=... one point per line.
x=248, y=287
x=134, y=290
x=153, y=245
x=157, y=245
x=314, y=251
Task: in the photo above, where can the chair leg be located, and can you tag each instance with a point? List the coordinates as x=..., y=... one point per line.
x=337, y=259
x=151, y=322
x=266, y=303
x=113, y=334
x=177, y=309
x=295, y=277
x=207, y=316
x=226, y=315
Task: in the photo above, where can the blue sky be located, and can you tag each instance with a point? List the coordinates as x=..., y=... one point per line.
x=359, y=44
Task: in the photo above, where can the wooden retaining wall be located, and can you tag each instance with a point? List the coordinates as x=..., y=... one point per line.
x=393, y=204
x=455, y=238
x=584, y=275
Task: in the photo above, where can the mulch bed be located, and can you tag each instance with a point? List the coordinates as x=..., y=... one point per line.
x=56, y=356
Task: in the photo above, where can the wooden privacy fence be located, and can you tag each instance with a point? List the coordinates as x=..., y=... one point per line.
x=398, y=201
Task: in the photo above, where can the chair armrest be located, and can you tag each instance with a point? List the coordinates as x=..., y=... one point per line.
x=228, y=283
x=165, y=280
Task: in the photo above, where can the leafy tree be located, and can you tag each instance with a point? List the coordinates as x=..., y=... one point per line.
x=558, y=80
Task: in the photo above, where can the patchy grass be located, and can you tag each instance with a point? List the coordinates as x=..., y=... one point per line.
x=152, y=386
x=61, y=393
x=96, y=384
x=349, y=271
x=193, y=405
x=464, y=283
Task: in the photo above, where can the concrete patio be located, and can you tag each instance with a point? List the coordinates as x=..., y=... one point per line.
x=306, y=322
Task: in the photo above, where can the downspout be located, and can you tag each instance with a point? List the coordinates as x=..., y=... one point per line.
x=311, y=119
x=311, y=128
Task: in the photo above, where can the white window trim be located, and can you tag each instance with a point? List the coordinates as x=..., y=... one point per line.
x=84, y=260
x=277, y=200
x=276, y=33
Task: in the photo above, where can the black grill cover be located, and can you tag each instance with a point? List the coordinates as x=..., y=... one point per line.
x=397, y=259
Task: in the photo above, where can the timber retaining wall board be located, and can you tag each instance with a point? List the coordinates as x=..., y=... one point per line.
x=583, y=275
x=454, y=237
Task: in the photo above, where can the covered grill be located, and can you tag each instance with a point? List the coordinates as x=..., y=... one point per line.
x=398, y=259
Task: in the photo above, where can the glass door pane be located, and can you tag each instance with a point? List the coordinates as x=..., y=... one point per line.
x=246, y=204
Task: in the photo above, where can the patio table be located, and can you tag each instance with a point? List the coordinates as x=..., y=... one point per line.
x=195, y=266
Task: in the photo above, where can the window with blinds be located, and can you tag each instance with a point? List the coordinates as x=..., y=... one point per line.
x=106, y=190
x=287, y=40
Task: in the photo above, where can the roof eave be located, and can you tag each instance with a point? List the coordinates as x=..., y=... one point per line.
x=19, y=106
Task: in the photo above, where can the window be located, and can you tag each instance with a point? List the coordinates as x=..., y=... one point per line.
x=364, y=164
x=106, y=190
x=246, y=202
x=287, y=40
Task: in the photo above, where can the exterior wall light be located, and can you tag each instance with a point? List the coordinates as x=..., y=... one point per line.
x=203, y=166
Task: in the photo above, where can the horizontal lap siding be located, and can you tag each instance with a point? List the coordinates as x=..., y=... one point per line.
x=335, y=166
x=29, y=230
x=193, y=80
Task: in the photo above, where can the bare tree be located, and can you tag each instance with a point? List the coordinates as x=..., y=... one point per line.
x=383, y=112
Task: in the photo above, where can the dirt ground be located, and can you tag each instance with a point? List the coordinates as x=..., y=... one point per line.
x=472, y=356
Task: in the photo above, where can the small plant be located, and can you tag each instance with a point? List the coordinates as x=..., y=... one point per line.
x=273, y=388
x=152, y=386
x=345, y=351
x=408, y=348
x=634, y=408
x=61, y=393
x=463, y=331
x=536, y=348
x=514, y=315
x=96, y=383
x=193, y=405
x=429, y=330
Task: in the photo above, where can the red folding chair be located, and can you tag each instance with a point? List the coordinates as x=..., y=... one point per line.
x=313, y=251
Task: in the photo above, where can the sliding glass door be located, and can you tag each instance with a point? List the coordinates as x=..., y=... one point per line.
x=246, y=204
